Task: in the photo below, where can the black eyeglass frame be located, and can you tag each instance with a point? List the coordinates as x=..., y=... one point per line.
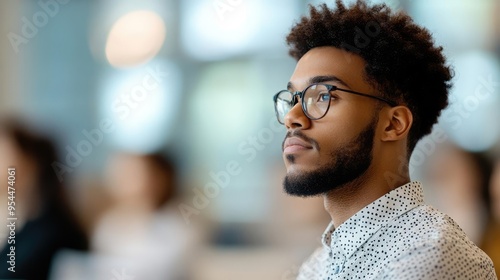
x=330, y=88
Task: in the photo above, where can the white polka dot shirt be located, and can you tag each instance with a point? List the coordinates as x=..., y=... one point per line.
x=397, y=237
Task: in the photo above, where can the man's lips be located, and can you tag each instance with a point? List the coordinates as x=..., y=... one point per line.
x=294, y=144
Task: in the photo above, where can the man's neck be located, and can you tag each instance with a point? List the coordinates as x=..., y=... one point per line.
x=343, y=202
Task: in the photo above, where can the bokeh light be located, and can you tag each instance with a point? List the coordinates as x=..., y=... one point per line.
x=135, y=38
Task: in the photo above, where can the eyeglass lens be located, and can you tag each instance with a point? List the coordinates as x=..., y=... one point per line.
x=316, y=101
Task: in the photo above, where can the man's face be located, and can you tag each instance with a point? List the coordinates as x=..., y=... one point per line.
x=325, y=154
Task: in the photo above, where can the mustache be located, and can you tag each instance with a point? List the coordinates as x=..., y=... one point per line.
x=299, y=134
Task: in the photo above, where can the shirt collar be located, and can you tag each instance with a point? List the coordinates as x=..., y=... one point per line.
x=354, y=232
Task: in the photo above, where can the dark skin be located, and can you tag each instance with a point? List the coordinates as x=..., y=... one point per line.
x=348, y=115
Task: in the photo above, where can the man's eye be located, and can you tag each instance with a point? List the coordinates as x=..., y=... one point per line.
x=324, y=97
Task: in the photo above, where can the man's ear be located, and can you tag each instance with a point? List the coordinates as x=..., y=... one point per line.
x=397, y=124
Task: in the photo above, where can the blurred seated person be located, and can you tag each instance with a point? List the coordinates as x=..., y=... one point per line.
x=458, y=181
x=143, y=225
x=495, y=190
x=491, y=240
x=45, y=223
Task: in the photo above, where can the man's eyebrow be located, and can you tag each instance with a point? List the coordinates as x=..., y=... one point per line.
x=320, y=79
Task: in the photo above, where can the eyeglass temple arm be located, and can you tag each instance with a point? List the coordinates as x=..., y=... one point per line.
x=392, y=103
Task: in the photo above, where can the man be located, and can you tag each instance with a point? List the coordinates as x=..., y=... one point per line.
x=367, y=86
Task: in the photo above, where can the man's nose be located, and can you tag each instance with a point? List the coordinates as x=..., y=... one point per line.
x=296, y=118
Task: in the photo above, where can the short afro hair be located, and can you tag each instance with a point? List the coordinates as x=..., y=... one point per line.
x=402, y=62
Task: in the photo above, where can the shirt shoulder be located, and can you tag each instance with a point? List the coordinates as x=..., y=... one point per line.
x=314, y=266
x=432, y=246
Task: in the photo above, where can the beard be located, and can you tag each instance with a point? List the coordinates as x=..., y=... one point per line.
x=347, y=164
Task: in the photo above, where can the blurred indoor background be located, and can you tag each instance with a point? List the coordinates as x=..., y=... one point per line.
x=115, y=83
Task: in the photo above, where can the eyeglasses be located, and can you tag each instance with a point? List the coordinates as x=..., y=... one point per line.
x=315, y=101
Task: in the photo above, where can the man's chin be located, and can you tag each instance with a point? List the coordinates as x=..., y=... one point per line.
x=301, y=185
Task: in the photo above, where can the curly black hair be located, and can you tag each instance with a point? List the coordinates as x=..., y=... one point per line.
x=402, y=62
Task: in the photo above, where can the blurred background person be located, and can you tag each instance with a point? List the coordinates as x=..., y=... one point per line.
x=491, y=238
x=495, y=190
x=143, y=225
x=45, y=222
x=466, y=186
x=458, y=185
